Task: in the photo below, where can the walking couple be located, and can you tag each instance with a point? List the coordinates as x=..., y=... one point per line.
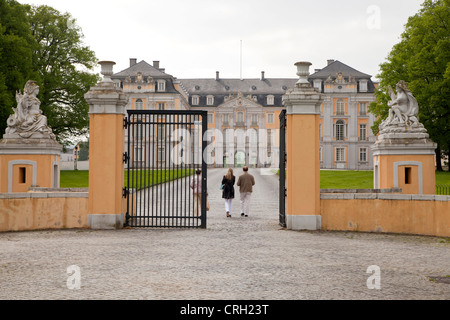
x=245, y=183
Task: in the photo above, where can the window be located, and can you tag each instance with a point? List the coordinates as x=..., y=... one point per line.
x=210, y=100
x=161, y=106
x=363, y=132
x=270, y=118
x=363, y=109
x=254, y=119
x=139, y=104
x=161, y=85
x=210, y=118
x=407, y=175
x=161, y=154
x=318, y=85
x=225, y=119
x=240, y=117
x=340, y=154
x=340, y=107
x=270, y=100
x=137, y=154
x=340, y=130
x=22, y=175
x=363, y=85
x=363, y=155
x=161, y=132
x=195, y=100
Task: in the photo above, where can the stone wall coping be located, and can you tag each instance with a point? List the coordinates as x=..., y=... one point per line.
x=43, y=195
x=383, y=196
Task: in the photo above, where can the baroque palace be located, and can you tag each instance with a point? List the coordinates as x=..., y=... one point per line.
x=245, y=104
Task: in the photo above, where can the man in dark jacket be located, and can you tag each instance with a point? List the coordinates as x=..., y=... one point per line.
x=245, y=183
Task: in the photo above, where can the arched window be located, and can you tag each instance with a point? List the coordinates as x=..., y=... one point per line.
x=240, y=117
x=340, y=130
x=139, y=104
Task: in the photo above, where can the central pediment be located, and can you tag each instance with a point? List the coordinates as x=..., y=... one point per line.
x=239, y=101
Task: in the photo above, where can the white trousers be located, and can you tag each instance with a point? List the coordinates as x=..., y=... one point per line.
x=245, y=201
x=228, y=207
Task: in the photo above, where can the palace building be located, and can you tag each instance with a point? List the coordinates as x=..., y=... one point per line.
x=254, y=105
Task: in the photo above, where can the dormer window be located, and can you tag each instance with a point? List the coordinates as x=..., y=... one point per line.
x=270, y=100
x=363, y=85
x=161, y=85
x=210, y=100
x=195, y=100
x=318, y=85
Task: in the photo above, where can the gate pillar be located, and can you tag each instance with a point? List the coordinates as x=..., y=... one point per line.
x=106, y=144
x=303, y=104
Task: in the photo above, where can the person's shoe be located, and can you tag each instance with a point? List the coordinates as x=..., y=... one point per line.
x=246, y=215
x=242, y=214
x=228, y=215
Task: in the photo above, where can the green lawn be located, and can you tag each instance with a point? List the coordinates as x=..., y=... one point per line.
x=329, y=179
x=80, y=179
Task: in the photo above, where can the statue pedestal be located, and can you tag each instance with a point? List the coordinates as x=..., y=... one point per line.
x=405, y=158
x=26, y=163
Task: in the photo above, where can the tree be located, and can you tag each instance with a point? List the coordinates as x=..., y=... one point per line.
x=422, y=59
x=16, y=55
x=63, y=63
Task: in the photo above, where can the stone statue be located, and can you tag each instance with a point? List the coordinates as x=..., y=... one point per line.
x=28, y=120
x=403, y=112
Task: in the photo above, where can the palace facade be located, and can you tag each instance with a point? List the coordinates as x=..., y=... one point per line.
x=244, y=106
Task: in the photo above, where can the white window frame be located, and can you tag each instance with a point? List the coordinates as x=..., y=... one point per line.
x=363, y=154
x=270, y=100
x=363, y=132
x=340, y=154
x=340, y=107
x=161, y=85
x=270, y=118
x=363, y=85
x=139, y=104
x=210, y=100
x=210, y=118
x=195, y=100
x=363, y=108
x=338, y=134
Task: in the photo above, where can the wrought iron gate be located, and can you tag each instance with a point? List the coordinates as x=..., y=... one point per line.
x=282, y=196
x=164, y=150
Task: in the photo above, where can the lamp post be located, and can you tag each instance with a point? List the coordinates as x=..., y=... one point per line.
x=76, y=157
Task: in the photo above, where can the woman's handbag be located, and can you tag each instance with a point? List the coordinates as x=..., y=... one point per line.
x=221, y=187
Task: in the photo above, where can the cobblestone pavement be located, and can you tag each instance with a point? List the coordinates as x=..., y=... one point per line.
x=236, y=259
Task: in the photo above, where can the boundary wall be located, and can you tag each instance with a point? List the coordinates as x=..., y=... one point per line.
x=41, y=210
x=386, y=213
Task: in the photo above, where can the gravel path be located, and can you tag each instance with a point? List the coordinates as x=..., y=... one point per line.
x=238, y=258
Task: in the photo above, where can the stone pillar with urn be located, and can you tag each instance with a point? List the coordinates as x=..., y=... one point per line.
x=302, y=148
x=106, y=145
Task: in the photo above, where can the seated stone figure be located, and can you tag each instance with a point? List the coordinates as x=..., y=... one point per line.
x=403, y=112
x=28, y=120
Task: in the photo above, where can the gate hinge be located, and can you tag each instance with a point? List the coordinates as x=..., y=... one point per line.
x=125, y=192
x=285, y=192
x=125, y=157
x=285, y=157
x=125, y=123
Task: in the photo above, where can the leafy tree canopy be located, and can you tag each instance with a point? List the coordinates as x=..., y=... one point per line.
x=422, y=59
x=48, y=48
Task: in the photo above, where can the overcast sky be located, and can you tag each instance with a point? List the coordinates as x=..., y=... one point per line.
x=196, y=38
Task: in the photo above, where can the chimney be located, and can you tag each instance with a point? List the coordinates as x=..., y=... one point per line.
x=330, y=61
x=217, y=75
x=262, y=75
x=156, y=64
x=132, y=61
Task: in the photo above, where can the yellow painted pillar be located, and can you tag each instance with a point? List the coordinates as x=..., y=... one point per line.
x=106, y=146
x=302, y=147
